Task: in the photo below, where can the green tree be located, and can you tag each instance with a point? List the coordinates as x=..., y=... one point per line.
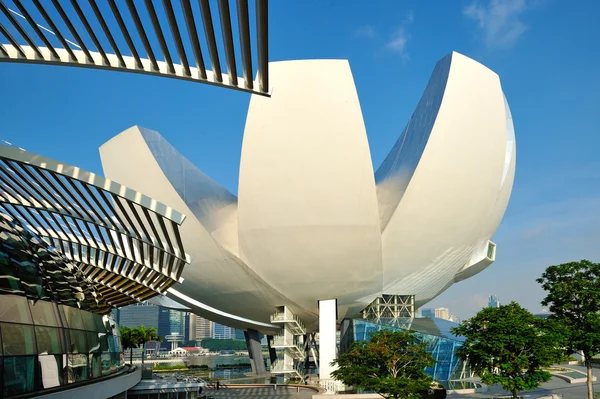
x=391, y=363
x=129, y=340
x=573, y=297
x=144, y=335
x=509, y=346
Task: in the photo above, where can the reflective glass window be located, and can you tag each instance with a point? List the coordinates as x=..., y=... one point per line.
x=96, y=365
x=17, y=339
x=18, y=375
x=73, y=317
x=51, y=367
x=14, y=309
x=88, y=320
x=48, y=340
x=103, y=338
x=78, y=342
x=106, y=363
x=77, y=368
x=99, y=321
x=93, y=342
x=44, y=314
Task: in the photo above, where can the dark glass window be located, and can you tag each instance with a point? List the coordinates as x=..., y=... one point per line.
x=93, y=342
x=96, y=365
x=88, y=320
x=19, y=375
x=99, y=321
x=44, y=314
x=17, y=339
x=78, y=342
x=77, y=368
x=51, y=367
x=48, y=340
x=73, y=317
x=14, y=309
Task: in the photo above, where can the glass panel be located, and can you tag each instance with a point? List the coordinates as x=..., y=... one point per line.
x=99, y=321
x=48, y=340
x=103, y=337
x=19, y=375
x=77, y=368
x=73, y=317
x=51, y=367
x=14, y=309
x=88, y=320
x=96, y=365
x=44, y=314
x=17, y=340
x=106, y=364
x=93, y=342
x=78, y=342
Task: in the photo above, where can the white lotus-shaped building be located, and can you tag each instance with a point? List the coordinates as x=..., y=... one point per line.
x=312, y=220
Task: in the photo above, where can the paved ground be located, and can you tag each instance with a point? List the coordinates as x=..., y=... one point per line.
x=556, y=386
x=260, y=392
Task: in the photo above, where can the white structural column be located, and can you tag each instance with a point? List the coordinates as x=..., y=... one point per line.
x=327, y=337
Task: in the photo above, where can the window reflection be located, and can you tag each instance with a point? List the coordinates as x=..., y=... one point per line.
x=77, y=368
x=14, y=309
x=19, y=375
x=17, y=339
x=52, y=370
x=44, y=314
x=48, y=340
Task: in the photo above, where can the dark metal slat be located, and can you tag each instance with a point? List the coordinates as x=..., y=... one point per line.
x=193, y=33
x=126, y=35
x=72, y=29
x=36, y=28
x=22, y=32
x=140, y=28
x=244, y=30
x=224, y=14
x=89, y=30
x=159, y=35
x=262, y=32
x=106, y=31
x=54, y=28
x=209, y=31
x=12, y=40
x=176, y=36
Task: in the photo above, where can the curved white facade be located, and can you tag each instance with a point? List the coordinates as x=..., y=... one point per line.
x=313, y=221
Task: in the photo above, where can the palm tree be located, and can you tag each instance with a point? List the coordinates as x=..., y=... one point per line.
x=129, y=340
x=144, y=335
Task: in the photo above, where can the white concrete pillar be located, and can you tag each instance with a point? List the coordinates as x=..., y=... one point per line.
x=327, y=337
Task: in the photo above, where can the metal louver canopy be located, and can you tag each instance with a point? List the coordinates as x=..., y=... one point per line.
x=115, y=35
x=124, y=241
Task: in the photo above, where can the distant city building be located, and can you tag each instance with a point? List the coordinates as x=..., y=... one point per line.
x=166, y=321
x=192, y=326
x=428, y=312
x=442, y=313
x=223, y=332
x=493, y=301
x=239, y=335
x=204, y=328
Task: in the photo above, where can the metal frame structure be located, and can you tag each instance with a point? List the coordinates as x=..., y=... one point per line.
x=126, y=242
x=108, y=22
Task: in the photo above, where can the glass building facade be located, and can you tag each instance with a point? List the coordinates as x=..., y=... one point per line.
x=54, y=328
x=441, y=343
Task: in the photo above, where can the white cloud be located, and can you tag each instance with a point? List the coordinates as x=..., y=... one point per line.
x=366, y=31
x=398, y=40
x=499, y=20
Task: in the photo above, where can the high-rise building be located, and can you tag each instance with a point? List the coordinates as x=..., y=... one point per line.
x=223, y=332
x=493, y=301
x=140, y=314
x=239, y=335
x=192, y=326
x=204, y=328
x=428, y=312
x=442, y=313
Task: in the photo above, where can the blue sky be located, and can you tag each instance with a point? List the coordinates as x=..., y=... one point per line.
x=546, y=52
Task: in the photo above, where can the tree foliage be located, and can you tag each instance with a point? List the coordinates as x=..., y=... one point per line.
x=391, y=363
x=136, y=337
x=573, y=297
x=213, y=344
x=509, y=346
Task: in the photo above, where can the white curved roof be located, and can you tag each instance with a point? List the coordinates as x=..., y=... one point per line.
x=313, y=221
